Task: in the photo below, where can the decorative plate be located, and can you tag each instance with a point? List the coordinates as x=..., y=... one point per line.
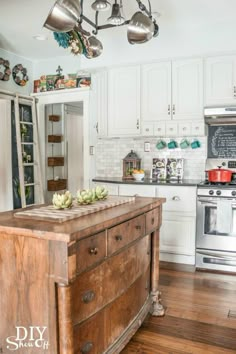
x=7, y=72
x=19, y=74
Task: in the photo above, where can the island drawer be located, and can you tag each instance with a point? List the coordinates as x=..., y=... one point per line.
x=94, y=289
x=89, y=251
x=153, y=220
x=122, y=234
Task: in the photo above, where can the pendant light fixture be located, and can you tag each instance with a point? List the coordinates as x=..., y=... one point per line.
x=101, y=5
x=116, y=18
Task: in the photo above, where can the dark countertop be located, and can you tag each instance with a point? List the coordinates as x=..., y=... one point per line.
x=148, y=182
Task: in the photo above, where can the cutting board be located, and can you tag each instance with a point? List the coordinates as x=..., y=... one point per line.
x=49, y=213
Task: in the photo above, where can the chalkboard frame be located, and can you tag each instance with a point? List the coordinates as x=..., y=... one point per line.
x=221, y=142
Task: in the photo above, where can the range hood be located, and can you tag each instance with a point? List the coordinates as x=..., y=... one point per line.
x=220, y=115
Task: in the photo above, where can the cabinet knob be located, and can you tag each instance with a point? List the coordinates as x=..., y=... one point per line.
x=168, y=108
x=87, y=347
x=173, y=109
x=93, y=250
x=88, y=296
x=176, y=198
x=138, y=227
x=137, y=124
x=118, y=237
x=152, y=221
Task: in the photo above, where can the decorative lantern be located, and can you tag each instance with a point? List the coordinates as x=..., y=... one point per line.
x=130, y=162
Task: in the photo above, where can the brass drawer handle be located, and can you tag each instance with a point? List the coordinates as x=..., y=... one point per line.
x=93, y=250
x=118, y=237
x=138, y=227
x=87, y=347
x=88, y=297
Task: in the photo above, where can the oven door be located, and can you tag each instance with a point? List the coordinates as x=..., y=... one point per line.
x=216, y=226
x=216, y=260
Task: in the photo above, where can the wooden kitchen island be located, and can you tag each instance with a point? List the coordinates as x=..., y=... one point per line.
x=80, y=286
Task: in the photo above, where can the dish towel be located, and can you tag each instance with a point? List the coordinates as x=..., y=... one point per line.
x=224, y=216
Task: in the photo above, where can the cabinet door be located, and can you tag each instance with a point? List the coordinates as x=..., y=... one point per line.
x=178, y=234
x=99, y=103
x=220, y=75
x=187, y=89
x=124, y=101
x=156, y=91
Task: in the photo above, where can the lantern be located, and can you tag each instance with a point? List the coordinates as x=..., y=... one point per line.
x=130, y=162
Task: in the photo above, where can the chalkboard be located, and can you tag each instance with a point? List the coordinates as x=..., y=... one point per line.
x=222, y=141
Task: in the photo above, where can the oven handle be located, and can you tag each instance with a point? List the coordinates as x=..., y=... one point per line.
x=216, y=255
x=205, y=201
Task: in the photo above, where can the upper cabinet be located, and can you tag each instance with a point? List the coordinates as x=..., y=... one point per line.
x=124, y=101
x=220, y=82
x=172, y=90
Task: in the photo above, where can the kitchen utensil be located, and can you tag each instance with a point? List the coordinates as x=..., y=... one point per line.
x=95, y=47
x=219, y=175
x=195, y=144
x=140, y=29
x=63, y=16
x=172, y=144
x=161, y=144
x=184, y=144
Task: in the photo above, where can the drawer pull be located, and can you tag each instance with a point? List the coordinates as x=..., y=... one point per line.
x=88, y=297
x=87, y=347
x=152, y=221
x=118, y=237
x=138, y=227
x=176, y=198
x=93, y=250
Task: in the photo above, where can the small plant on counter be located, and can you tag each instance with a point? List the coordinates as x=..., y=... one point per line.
x=86, y=196
x=101, y=192
x=62, y=201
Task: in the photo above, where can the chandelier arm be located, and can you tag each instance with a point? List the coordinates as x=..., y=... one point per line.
x=144, y=9
x=91, y=23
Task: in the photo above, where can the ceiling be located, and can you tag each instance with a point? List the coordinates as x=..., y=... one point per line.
x=21, y=20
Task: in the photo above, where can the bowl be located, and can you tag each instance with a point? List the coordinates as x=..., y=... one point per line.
x=138, y=176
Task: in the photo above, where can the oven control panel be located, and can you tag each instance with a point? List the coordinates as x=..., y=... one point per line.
x=232, y=164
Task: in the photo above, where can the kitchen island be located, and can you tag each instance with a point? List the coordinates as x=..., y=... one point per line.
x=79, y=286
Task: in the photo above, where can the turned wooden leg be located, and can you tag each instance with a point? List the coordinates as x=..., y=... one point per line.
x=157, y=308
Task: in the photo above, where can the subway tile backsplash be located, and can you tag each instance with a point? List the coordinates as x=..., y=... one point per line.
x=111, y=152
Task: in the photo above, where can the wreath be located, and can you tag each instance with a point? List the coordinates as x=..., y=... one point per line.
x=19, y=74
x=7, y=71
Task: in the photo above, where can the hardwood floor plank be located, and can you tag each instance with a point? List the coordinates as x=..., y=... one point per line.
x=196, y=319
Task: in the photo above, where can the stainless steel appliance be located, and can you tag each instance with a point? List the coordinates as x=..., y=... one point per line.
x=216, y=221
x=220, y=115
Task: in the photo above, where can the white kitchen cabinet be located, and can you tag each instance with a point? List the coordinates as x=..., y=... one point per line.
x=220, y=80
x=124, y=101
x=177, y=238
x=171, y=129
x=139, y=190
x=172, y=90
x=98, y=99
x=156, y=91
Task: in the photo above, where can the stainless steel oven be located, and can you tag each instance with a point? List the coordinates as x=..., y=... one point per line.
x=216, y=227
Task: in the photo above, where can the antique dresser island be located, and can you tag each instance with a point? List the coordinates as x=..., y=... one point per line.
x=79, y=286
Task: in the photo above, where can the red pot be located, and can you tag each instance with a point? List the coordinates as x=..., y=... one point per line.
x=219, y=175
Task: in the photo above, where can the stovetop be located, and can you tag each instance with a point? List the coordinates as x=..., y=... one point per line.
x=210, y=189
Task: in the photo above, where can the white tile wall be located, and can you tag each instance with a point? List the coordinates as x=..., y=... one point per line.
x=111, y=152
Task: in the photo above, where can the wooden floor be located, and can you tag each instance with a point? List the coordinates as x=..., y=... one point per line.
x=200, y=316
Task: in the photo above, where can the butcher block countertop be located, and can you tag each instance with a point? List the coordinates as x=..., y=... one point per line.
x=77, y=228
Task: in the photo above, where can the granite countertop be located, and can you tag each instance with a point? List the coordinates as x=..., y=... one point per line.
x=148, y=181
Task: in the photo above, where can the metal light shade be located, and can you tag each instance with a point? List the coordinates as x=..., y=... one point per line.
x=63, y=16
x=116, y=18
x=140, y=29
x=100, y=5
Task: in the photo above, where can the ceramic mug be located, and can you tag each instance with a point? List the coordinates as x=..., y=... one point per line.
x=172, y=144
x=184, y=144
x=161, y=144
x=195, y=144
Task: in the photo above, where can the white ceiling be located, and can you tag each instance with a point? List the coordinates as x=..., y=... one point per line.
x=20, y=20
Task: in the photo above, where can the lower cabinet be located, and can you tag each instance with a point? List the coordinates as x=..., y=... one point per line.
x=178, y=233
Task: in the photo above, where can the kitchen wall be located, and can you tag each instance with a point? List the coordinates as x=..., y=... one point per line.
x=10, y=85
x=111, y=152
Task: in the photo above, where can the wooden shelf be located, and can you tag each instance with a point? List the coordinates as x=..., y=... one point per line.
x=55, y=138
x=57, y=185
x=56, y=161
x=54, y=118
